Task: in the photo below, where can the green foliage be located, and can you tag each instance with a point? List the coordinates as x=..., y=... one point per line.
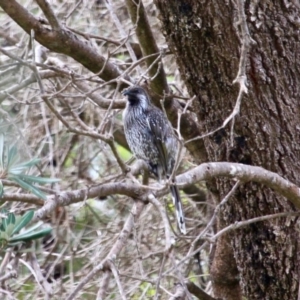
x=123, y=152
x=170, y=78
x=12, y=169
x=26, y=289
x=122, y=57
x=11, y=225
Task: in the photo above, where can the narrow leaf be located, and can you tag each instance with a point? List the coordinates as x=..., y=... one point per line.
x=11, y=218
x=25, y=165
x=26, y=218
x=33, y=227
x=40, y=180
x=28, y=186
x=30, y=236
x=4, y=223
x=11, y=244
x=1, y=189
x=4, y=213
x=9, y=229
x=12, y=157
x=3, y=236
x=1, y=151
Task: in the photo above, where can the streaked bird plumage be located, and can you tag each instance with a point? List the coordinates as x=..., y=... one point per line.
x=150, y=137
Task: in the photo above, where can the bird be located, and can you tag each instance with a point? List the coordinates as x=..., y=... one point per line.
x=150, y=137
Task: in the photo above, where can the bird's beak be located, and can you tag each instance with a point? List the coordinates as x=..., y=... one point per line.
x=126, y=92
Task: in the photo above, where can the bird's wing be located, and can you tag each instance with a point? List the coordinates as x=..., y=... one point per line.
x=157, y=134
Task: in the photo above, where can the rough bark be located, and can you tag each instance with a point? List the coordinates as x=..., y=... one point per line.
x=203, y=35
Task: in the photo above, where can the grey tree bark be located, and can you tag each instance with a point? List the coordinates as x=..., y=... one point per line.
x=260, y=261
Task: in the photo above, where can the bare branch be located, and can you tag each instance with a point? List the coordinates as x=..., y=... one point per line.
x=66, y=198
x=115, y=250
x=25, y=198
x=118, y=24
x=39, y=276
x=240, y=224
x=31, y=79
x=148, y=44
x=115, y=272
x=207, y=171
x=104, y=285
x=72, y=11
x=62, y=41
x=8, y=275
x=179, y=292
x=90, y=133
x=125, y=169
x=97, y=98
x=162, y=212
x=196, y=291
x=244, y=173
x=11, y=39
x=49, y=14
x=214, y=217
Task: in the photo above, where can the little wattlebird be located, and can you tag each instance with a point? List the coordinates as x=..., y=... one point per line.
x=151, y=138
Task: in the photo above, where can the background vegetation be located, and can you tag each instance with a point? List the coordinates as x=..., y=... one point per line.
x=227, y=75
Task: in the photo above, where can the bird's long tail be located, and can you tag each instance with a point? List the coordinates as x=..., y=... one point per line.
x=178, y=206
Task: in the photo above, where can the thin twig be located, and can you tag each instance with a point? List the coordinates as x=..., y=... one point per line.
x=49, y=14
x=101, y=295
x=213, y=218
x=5, y=261
x=161, y=268
x=179, y=292
x=115, y=250
x=72, y=11
x=162, y=212
x=244, y=223
x=117, y=278
x=148, y=45
x=118, y=24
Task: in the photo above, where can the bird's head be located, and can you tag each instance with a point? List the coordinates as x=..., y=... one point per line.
x=137, y=96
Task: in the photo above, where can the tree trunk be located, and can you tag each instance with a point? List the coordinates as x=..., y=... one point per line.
x=204, y=37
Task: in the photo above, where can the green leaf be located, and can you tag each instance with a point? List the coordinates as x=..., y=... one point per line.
x=9, y=244
x=12, y=157
x=11, y=218
x=40, y=180
x=123, y=152
x=170, y=78
x=1, y=151
x=3, y=217
x=9, y=229
x=30, y=236
x=3, y=212
x=8, y=223
x=33, y=227
x=1, y=189
x=28, y=186
x=4, y=223
x=19, y=168
x=3, y=236
x=26, y=218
